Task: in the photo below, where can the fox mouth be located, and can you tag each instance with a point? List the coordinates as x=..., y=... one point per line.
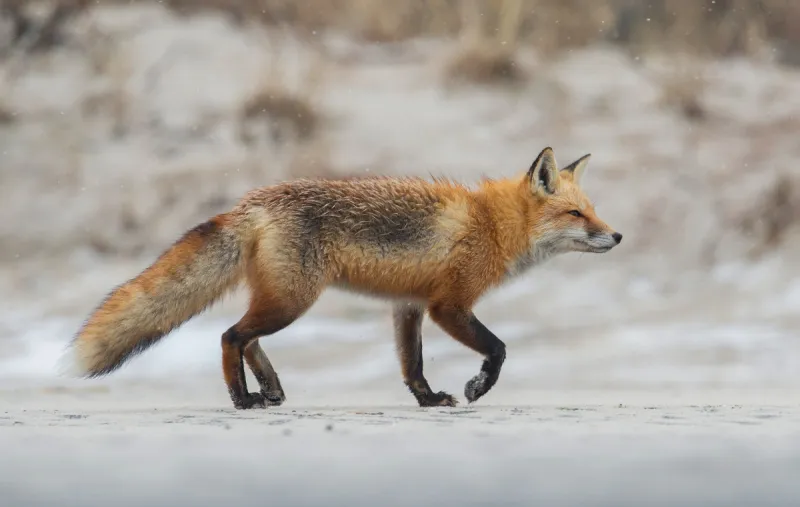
x=589, y=248
x=599, y=243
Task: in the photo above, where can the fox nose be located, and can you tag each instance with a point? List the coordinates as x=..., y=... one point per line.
x=617, y=237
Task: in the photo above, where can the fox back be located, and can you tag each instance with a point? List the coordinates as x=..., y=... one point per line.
x=384, y=235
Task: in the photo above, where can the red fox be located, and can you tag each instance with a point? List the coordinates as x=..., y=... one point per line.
x=427, y=246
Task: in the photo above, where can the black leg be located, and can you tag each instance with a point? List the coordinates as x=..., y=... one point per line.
x=233, y=369
x=462, y=325
x=235, y=344
x=264, y=373
x=408, y=339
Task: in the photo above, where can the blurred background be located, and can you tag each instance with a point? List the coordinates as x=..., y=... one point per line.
x=124, y=123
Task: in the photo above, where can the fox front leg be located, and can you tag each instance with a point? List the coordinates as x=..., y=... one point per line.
x=465, y=327
x=408, y=339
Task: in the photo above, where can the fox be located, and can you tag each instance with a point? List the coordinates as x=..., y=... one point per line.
x=427, y=246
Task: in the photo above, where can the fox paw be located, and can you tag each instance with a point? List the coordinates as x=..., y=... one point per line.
x=273, y=398
x=251, y=400
x=477, y=386
x=440, y=399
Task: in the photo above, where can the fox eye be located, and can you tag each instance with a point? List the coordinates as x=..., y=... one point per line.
x=575, y=213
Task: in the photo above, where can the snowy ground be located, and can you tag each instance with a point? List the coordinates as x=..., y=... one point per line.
x=166, y=447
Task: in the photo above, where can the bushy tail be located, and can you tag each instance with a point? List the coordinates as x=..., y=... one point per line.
x=196, y=271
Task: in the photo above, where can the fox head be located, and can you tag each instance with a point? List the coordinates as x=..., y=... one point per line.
x=561, y=217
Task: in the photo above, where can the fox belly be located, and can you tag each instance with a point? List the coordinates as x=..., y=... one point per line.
x=405, y=273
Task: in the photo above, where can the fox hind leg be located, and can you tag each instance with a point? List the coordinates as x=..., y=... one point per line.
x=408, y=340
x=264, y=373
x=462, y=325
x=234, y=341
x=267, y=315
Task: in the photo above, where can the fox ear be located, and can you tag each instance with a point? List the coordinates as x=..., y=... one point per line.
x=543, y=174
x=576, y=169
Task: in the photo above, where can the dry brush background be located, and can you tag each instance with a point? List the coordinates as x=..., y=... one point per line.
x=123, y=123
